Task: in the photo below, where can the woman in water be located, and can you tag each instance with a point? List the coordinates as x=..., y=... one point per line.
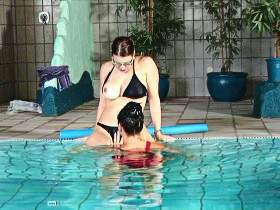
x=123, y=79
x=130, y=125
x=135, y=152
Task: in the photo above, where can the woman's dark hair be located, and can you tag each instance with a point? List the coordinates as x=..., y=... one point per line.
x=131, y=118
x=122, y=46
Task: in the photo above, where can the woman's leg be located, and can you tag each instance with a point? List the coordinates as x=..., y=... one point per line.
x=99, y=137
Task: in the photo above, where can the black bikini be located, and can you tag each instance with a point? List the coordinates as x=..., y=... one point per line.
x=134, y=90
x=110, y=129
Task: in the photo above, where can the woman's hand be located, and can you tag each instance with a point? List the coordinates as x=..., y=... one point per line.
x=162, y=137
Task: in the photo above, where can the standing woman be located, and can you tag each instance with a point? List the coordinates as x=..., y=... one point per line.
x=126, y=78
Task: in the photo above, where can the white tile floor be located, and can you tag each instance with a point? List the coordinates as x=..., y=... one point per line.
x=228, y=120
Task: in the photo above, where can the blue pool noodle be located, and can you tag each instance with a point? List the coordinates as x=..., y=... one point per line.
x=170, y=130
x=75, y=133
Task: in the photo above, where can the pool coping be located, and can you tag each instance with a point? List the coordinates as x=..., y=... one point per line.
x=177, y=140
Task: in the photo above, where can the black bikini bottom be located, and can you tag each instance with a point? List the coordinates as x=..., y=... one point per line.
x=110, y=129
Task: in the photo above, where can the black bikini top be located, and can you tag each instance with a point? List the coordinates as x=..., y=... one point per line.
x=135, y=88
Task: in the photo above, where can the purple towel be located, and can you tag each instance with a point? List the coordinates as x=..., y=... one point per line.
x=59, y=72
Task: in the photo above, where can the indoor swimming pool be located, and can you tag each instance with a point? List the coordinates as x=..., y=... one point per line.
x=227, y=174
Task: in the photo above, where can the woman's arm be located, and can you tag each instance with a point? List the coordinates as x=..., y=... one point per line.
x=103, y=71
x=153, y=97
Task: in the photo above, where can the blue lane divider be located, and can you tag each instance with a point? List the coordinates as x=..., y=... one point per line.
x=170, y=130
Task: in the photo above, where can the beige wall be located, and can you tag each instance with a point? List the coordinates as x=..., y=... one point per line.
x=24, y=45
x=6, y=52
x=33, y=43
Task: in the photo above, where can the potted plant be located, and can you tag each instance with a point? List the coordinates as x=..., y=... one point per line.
x=153, y=31
x=223, y=42
x=264, y=16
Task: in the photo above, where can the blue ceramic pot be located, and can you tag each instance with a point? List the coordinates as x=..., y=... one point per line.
x=227, y=86
x=273, y=69
x=163, y=86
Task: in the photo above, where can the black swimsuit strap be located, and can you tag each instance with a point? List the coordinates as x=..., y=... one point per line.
x=133, y=67
x=108, y=75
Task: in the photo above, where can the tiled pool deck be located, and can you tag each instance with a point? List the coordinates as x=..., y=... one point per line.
x=224, y=120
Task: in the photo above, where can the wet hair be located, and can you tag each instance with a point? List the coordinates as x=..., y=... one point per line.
x=131, y=118
x=122, y=46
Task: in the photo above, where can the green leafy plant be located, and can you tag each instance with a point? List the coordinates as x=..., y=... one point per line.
x=223, y=40
x=264, y=16
x=156, y=25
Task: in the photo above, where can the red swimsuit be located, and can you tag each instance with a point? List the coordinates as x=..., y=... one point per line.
x=139, y=159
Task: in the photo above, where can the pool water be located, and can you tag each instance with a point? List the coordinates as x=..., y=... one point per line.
x=206, y=174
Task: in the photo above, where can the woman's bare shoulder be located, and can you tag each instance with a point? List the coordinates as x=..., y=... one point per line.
x=157, y=145
x=145, y=60
x=146, y=64
x=106, y=67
